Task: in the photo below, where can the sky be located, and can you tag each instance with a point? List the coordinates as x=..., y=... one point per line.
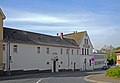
x=100, y=18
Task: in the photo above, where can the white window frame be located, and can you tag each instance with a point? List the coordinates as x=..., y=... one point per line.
x=38, y=49
x=15, y=48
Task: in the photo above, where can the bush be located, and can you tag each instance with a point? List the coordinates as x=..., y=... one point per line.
x=113, y=72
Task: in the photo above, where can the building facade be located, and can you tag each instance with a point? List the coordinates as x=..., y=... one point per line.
x=118, y=57
x=2, y=17
x=100, y=60
x=23, y=50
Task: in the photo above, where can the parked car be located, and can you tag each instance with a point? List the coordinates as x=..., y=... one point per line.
x=105, y=67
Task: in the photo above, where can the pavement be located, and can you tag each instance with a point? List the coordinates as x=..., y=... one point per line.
x=100, y=78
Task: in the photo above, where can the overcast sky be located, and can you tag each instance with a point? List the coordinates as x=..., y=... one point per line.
x=100, y=18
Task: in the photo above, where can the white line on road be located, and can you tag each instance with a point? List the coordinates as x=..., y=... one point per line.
x=39, y=80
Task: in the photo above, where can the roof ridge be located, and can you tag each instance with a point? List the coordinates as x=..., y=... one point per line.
x=74, y=33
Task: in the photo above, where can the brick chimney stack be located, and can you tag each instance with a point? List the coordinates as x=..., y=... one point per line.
x=61, y=35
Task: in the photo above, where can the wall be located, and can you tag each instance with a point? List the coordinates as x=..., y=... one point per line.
x=118, y=59
x=1, y=39
x=86, y=46
x=27, y=57
x=100, y=60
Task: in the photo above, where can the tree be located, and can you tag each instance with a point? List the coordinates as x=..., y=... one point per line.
x=117, y=48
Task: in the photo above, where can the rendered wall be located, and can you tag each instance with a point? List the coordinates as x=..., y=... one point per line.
x=1, y=43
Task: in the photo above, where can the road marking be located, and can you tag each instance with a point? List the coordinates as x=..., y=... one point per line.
x=39, y=80
x=93, y=81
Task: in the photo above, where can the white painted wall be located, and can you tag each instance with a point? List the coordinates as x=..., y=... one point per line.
x=89, y=43
x=27, y=57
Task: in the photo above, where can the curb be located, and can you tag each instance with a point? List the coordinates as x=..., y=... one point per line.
x=94, y=81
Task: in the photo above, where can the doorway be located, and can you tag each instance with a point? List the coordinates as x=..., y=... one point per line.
x=54, y=66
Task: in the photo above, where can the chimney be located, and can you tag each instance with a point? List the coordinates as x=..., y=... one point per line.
x=61, y=35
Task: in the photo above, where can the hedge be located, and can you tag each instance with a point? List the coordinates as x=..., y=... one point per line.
x=113, y=72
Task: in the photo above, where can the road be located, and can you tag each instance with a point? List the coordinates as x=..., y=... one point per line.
x=62, y=77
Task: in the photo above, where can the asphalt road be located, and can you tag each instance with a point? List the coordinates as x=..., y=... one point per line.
x=62, y=77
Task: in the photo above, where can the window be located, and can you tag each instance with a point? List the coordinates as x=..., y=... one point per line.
x=67, y=51
x=82, y=51
x=77, y=52
x=15, y=48
x=47, y=63
x=47, y=50
x=85, y=41
x=61, y=51
x=3, y=46
x=90, y=62
x=87, y=51
x=71, y=63
x=38, y=49
x=72, y=51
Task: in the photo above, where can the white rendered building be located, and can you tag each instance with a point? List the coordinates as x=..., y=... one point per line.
x=23, y=50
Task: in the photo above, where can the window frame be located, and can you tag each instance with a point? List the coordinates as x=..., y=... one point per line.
x=82, y=51
x=38, y=49
x=72, y=51
x=3, y=47
x=48, y=50
x=15, y=48
x=61, y=51
x=67, y=51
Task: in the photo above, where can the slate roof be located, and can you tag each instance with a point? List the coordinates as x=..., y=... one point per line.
x=77, y=36
x=14, y=35
x=117, y=51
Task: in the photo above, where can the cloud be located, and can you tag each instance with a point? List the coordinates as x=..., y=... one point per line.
x=23, y=16
x=103, y=27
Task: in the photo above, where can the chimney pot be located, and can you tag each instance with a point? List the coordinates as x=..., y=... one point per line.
x=61, y=35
